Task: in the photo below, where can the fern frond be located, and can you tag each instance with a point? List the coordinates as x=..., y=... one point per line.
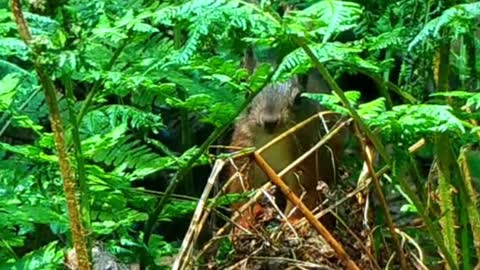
x=29, y=151
x=346, y=53
x=372, y=109
x=8, y=87
x=214, y=17
x=14, y=47
x=129, y=156
x=333, y=102
x=458, y=18
x=457, y=94
x=474, y=102
x=8, y=67
x=394, y=38
x=108, y=117
x=327, y=18
x=40, y=25
x=120, y=114
x=410, y=122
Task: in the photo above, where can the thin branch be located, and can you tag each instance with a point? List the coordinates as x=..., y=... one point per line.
x=334, y=244
x=178, y=177
x=334, y=86
x=184, y=254
x=368, y=157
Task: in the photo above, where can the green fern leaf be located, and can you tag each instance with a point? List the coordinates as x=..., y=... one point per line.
x=372, y=109
x=327, y=17
x=474, y=102
x=394, y=38
x=8, y=87
x=410, y=122
x=345, y=53
x=457, y=18
x=333, y=102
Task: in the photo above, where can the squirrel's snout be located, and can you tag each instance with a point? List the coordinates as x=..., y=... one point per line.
x=270, y=124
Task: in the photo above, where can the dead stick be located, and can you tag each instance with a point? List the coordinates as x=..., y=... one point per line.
x=359, y=241
x=323, y=141
x=267, y=185
x=293, y=129
x=376, y=183
x=334, y=244
x=185, y=248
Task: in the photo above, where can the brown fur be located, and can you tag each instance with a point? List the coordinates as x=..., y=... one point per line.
x=276, y=109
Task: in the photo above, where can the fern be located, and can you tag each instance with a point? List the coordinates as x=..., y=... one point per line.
x=8, y=87
x=474, y=102
x=124, y=153
x=6, y=24
x=107, y=33
x=129, y=156
x=332, y=101
x=13, y=47
x=457, y=18
x=116, y=115
x=50, y=256
x=40, y=25
x=457, y=94
x=210, y=17
x=327, y=18
x=410, y=122
x=391, y=39
x=372, y=109
x=345, y=53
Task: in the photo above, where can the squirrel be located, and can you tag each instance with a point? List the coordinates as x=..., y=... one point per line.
x=274, y=110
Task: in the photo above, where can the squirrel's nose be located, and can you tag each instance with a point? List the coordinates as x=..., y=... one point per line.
x=270, y=124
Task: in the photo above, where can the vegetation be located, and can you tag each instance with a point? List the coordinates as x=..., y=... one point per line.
x=109, y=111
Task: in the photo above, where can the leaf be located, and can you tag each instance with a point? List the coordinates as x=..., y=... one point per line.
x=29, y=151
x=327, y=18
x=49, y=257
x=8, y=87
x=457, y=18
x=345, y=53
x=459, y=94
x=372, y=109
x=474, y=102
x=333, y=102
x=410, y=122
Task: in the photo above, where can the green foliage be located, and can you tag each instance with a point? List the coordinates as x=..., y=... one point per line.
x=332, y=101
x=457, y=19
x=326, y=18
x=165, y=72
x=47, y=257
x=413, y=121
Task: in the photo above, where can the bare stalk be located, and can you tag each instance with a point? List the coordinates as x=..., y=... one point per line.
x=66, y=171
x=334, y=244
x=187, y=243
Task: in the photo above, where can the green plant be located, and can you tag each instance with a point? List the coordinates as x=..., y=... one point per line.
x=131, y=75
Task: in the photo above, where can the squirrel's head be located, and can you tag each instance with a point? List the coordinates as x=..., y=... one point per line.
x=279, y=106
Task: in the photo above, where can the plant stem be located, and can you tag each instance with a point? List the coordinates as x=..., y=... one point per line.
x=368, y=157
x=334, y=86
x=96, y=86
x=66, y=171
x=442, y=146
x=179, y=176
x=81, y=173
